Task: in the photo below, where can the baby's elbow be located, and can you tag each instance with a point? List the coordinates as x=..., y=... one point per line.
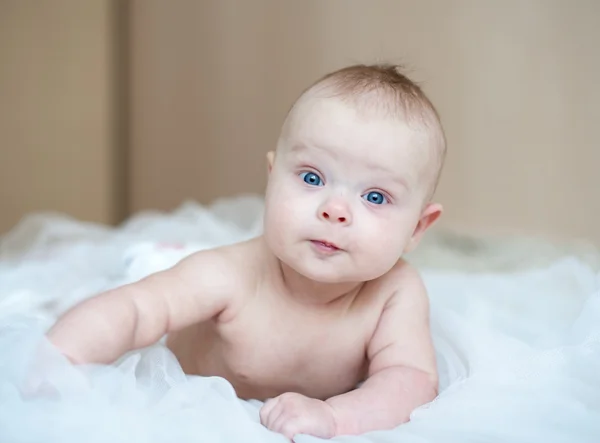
x=432, y=384
x=427, y=385
x=420, y=387
x=423, y=390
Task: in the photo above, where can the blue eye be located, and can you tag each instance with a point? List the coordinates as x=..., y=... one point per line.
x=376, y=198
x=311, y=178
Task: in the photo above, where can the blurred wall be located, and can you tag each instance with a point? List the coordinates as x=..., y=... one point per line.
x=208, y=83
x=515, y=82
x=59, y=124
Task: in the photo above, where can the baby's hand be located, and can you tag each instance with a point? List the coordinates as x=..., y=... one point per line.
x=291, y=414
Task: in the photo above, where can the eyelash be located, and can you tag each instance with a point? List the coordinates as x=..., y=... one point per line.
x=386, y=196
x=311, y=171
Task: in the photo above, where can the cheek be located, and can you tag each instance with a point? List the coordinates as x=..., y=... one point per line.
x=292, y=202
x=383, y=238
x=286, y=210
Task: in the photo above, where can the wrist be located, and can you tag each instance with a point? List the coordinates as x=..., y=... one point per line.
x=335, y=416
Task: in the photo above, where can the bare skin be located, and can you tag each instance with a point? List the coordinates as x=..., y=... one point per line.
x=321, y=302
x=321, y=350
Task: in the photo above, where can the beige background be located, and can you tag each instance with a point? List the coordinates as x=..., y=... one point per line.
x=209, y=83
x=58, y=115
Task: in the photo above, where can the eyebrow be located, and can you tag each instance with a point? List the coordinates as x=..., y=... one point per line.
x=301, y=147
x=395, y=178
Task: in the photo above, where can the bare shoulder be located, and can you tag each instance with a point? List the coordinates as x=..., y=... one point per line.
x=227, y=270
x=401, y=284
x=205, y=285
x=402, y=336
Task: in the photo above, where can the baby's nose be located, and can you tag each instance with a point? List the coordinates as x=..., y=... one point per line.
x=335, y=212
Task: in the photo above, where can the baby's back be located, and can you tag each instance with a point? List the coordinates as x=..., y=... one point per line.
x=267, y=344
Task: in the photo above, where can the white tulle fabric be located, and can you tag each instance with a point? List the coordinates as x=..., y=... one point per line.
x=518, y=352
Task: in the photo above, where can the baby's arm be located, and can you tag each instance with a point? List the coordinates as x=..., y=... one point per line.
x=402, y=375
x=402, y=372
x=102, y=328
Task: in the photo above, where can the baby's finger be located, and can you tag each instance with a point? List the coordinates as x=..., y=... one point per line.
x=266, y=411
x=281, y=424
x=289, y=427
x=277, y=419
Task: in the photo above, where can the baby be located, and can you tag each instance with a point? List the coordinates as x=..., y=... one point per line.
x=320, y=317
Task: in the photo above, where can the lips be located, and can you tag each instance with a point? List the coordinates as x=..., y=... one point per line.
x=325, y=246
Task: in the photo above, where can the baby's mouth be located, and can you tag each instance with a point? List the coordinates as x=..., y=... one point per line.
x=325, y=246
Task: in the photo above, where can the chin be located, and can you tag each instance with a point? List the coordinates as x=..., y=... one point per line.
x=318, y=272
x=343, y=275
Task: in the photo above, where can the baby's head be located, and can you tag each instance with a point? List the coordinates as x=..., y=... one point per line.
x=351, y=181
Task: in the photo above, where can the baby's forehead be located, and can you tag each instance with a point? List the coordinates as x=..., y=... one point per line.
x=345, y=128
x=368, y=108
x=335, y=122
x=376, y=95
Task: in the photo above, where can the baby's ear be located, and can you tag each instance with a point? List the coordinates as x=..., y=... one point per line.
x=428, y=217
x=270, y=160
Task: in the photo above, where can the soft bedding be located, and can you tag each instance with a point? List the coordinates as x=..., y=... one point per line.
x=515, y=323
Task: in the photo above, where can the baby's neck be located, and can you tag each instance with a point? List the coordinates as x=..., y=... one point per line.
x=310, y=292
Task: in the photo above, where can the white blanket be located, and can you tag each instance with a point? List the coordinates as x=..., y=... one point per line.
x=518, y=349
